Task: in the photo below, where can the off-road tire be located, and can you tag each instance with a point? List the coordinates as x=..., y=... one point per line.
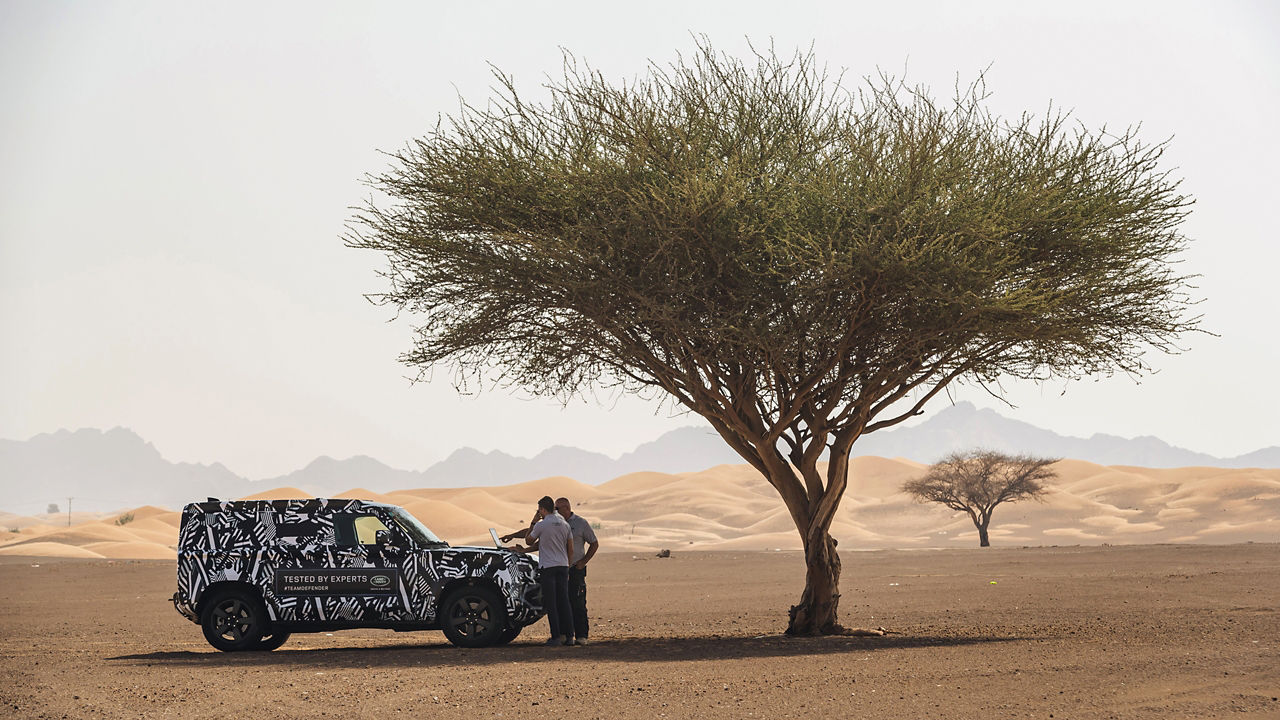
x=272, y=641
x=234, y=620
x=511, y=633
x=473, y=616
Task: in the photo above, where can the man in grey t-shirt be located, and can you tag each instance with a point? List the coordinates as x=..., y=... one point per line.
x=585, y=545
x=551, y=538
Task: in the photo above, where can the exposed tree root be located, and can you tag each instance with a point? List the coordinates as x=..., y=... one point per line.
x=863, y=632
x=840, y=630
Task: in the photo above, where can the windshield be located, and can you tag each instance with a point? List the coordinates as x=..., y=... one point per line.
x=419, y=532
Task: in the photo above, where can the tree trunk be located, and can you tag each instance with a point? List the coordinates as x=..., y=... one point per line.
x=816, y=612
x=812, y=505
x=983, y=540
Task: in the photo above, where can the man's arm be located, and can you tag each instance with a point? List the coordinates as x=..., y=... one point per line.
x=531, y=539
x=517, y=534
x=593, y=544
x=568, y=546
x=591, y=550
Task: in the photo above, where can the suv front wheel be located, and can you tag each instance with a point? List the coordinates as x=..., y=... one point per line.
x=473, y=616
x=234, y=620
x=272, y=640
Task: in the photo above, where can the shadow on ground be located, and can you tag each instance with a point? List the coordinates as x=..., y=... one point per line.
x=622, y=650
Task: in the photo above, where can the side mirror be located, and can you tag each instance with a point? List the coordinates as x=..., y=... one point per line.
x=382, y=537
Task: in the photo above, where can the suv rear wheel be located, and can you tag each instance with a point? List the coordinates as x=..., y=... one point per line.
x=234, y=620
x=473, y=616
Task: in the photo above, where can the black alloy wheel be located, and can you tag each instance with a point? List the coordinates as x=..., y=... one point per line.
x=473, y=616
x=234, y=620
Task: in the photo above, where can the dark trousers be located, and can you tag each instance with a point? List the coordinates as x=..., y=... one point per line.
x=578, y=601
x=555, y=599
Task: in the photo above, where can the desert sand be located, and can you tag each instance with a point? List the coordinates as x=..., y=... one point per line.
x=730, y=507
x=1138, y=631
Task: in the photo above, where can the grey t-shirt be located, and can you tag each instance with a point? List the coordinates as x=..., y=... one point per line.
x=582, y=534
x=552, y=534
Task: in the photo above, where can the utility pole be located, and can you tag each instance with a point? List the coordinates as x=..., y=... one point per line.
x=69, y=499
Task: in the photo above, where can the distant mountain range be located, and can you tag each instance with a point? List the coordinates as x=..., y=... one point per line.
x=116, y=469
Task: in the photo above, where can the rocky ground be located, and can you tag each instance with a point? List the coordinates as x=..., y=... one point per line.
x=1160, y=631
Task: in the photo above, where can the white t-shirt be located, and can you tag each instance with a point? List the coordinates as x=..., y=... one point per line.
x=582, y=534
x=552, y=534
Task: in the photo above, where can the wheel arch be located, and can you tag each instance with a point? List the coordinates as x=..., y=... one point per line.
x=214, y=589
x=475, y=581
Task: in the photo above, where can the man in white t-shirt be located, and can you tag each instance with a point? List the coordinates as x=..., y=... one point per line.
x=551, y=538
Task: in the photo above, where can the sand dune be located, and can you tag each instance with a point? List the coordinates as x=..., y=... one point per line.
x=504, y=512
x=89, y=533
x=448, y=520
x=731, y=507
x=149, y=512
x=136, y=549
x=9, y=522
x=51, y=549
x=284, y=493
x=637, y=481
x=30, y=531
x=529, y=492
x=363, y=494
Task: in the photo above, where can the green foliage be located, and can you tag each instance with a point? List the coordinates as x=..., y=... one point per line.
x=757, y=238
x=125, y=519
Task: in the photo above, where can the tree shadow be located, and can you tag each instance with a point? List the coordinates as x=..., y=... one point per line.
x=442, y=654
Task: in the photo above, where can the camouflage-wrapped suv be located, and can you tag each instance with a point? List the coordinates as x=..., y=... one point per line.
x=252, y=572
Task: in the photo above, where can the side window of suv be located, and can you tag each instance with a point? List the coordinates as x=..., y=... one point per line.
x=367, y=527
x=343, y=530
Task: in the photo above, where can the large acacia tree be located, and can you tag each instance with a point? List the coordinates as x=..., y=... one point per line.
x=798, y=263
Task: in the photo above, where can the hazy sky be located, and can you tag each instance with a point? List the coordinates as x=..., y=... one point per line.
x=175, y=180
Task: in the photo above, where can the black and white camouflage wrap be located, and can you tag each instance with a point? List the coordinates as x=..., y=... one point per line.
x=250, y=541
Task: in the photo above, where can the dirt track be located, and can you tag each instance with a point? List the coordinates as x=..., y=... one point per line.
x=1129, y=632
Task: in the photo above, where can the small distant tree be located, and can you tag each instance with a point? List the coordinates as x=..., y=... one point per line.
x=53, y=509
x=976, y=482
x=125, y=519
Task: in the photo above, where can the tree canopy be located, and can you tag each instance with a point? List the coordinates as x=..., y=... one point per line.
x=796, y=262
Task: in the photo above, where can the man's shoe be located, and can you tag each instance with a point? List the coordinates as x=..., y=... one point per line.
x=580, y=641
x=568, y=641
x=558, y=640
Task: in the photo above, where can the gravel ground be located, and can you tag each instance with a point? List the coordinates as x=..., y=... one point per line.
x=1161, y=631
